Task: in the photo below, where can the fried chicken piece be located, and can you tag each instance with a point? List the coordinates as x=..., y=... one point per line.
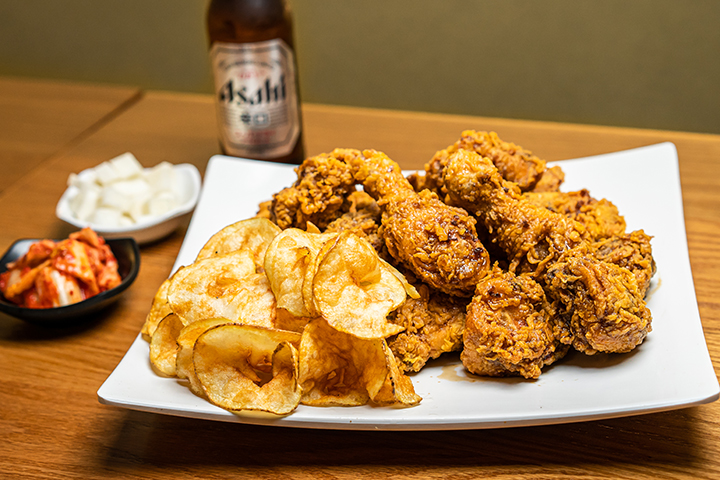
x=434, y=324
x=530, y=235
x=514, y=163
x=600, y=217
x=438, y=243
x=363, y=219
x=511, y=328
x=319, y=195
x=602, y=302
x=632, y=251
x=550, y=180
x=606, y=228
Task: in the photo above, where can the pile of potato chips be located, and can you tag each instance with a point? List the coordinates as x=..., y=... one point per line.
x=267, y=319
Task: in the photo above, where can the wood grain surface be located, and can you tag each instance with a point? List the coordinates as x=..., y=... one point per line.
x=52, y=426
x=41, y=118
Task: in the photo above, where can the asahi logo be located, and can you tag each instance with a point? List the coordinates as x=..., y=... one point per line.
x=257, y=102
x=232, y=92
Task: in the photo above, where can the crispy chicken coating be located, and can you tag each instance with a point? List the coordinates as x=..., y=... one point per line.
x=632, y=251
x=264, y=210
x=572, y=275
x=320, y=193
x=434, y=324
x=600, y=301
x=600, y=217
x=550, y=180
x=438, y=243
x=363, y=219
x=605, y=227
x=514, y=163
x=511, y=328
x=530, y=235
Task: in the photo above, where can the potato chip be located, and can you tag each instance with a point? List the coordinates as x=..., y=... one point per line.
x=354, y=290
x=163, y=345
x=338, y=369
x=266, y=319
x=223, y=286
x=286, y=262
x=186, y=342
x=409, y=287
x=285, y=320
x=398, y=388
x=243, y=367
x=253, y=235
x=309, y=275
x=159, y=310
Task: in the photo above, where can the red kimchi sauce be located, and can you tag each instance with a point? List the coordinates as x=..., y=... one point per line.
x=55, y=274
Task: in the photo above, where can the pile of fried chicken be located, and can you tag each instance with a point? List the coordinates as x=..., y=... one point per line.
x=511, y=271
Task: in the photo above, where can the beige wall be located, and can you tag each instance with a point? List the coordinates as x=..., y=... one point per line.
x=644, y=63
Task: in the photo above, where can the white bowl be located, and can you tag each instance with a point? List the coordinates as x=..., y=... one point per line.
x=148, y=230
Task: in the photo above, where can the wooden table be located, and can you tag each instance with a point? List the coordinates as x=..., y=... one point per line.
x=51, y=424
x=42, y=118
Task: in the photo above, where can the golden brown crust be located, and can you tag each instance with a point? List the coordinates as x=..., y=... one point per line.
x=550, y=180
x=510, y=328
x=632, y=251
x=530, y=235
x=570, y=274
x=438, y=243
x=605, y=228
x=363, y=219
x=600, y=217
x=601, y=301
x=435, y=241
x=434, y=325
x=514, y=163
x=319, y=194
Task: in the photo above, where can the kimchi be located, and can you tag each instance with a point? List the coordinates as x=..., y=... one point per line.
x=54, y=274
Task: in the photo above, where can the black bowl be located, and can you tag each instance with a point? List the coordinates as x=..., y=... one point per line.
x=126, y=251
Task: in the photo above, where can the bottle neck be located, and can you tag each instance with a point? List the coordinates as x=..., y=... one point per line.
x=242, y=21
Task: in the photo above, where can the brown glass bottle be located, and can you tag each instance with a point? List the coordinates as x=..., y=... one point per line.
x=256, y=88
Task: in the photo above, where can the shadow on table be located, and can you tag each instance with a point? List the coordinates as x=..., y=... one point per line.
x=21, y=332
x=666, y=440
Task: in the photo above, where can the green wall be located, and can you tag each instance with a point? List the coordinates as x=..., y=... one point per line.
x=643, y=63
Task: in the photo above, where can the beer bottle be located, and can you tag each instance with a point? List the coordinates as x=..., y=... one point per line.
x=255, y=73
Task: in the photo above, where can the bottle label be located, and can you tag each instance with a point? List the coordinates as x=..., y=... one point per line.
x=256, y=98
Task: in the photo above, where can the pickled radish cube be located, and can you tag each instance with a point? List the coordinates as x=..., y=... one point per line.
x=112, y=197
x=162, y=203
x=107, y=217
x=136, y=187
x=162, y=177
x=125, y=221
x=73, y=180
x=138, y=211
x=105, y=173
x=126, y=166
x=85, y=202
x=82, y=179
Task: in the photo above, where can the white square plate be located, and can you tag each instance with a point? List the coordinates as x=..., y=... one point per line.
x=670, y=370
